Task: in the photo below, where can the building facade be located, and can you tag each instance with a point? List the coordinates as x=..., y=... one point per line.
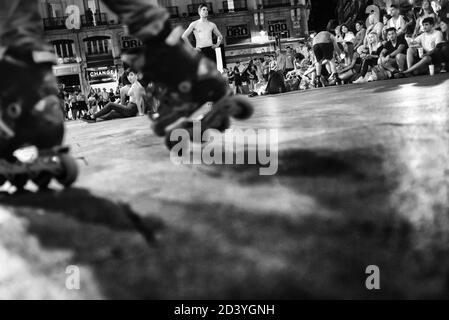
x=89, y=39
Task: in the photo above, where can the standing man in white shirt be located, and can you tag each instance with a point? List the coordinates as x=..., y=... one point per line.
x=203, y=30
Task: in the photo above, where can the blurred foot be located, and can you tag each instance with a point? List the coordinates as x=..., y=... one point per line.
x=88, y=119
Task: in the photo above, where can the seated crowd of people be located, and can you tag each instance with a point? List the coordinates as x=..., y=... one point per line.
x=126, y=101
x=386, y=46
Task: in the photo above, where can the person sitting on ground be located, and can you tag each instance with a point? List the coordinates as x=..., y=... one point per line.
x=348, y=43
x=114, y=110
x=438, y=56
x=351, y=72
x=294, y=77
x=360, y=36
x=324, y=48
x=426, y=12
x=370, y=56
x=374, y=25
x=397, y=21
x=303, y=49
x=393, y=56
x=410, y=24
x=298, y=70
x=384, y=38
x=423, y=44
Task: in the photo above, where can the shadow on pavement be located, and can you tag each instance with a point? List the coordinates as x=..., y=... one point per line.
x=220, y=251
x=84, y=207
x=325, y=250
x=106, y=236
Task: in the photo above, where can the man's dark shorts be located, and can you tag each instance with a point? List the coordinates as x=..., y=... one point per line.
x=323, y=51
x=209, y=52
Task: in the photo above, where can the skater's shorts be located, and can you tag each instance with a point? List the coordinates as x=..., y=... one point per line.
x=323, y=51
x=209, y=52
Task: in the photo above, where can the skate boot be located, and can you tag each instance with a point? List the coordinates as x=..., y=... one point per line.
x=318, y=82
x=186, y=81
x=31, y=115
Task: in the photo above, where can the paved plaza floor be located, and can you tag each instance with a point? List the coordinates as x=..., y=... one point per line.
x=363, y=179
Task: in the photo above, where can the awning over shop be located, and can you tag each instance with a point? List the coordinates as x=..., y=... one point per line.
x=66, y=69
x=98, y=63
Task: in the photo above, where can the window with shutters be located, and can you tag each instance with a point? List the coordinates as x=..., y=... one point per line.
x=98, y=46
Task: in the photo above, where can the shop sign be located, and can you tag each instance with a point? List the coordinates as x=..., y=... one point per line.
x=238, y=34
x=65, y=70
x=278, y=28
x=127, y=42
x=102, y=75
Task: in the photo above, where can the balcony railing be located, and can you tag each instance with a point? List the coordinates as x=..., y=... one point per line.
x=239, y=5
x=193, y=9
x=99, y=19
x=174, y=11
x=55, y=23
x=276, y=3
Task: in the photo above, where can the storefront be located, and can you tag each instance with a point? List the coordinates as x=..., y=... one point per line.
x=278, y=29
x=128, y=43
x=246, y=52
x=69, y=75
x=102, y=77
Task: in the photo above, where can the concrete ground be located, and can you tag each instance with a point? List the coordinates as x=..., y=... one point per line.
x=362, y=180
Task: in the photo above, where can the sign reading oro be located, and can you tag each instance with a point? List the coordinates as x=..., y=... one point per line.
x=278, y=28
x=238, y=34
x=127, y=42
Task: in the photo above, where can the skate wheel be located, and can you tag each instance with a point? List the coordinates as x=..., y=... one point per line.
x=241, y=108
x=42, y=181
x=69, y=171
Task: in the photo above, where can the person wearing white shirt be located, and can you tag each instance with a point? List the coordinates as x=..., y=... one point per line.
x=424, y=43
x=426, y=11
x=397, y=21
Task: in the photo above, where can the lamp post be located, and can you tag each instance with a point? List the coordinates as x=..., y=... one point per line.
x=79, y=58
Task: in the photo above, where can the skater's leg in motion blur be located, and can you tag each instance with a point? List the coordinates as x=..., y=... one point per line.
x=318, y=68
x=145, y=18
x=27, y=60
x=22, y=26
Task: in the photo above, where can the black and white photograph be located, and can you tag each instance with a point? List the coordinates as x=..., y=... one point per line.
x=231, y=150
